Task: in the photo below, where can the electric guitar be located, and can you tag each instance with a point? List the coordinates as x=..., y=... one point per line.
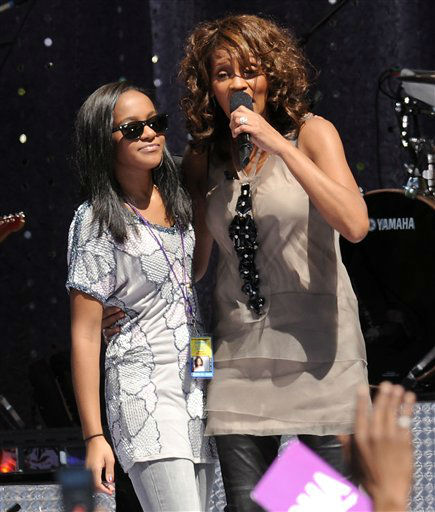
x=11, y=223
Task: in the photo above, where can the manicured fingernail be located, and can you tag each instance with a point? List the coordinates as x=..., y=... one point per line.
x=110, y=478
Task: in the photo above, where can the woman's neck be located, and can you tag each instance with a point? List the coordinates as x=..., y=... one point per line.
x=256, y=161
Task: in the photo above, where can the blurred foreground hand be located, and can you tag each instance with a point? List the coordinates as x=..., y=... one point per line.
x=381, y=452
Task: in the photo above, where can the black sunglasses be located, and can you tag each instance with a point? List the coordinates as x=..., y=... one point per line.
x=134, y=129
x=243, y=233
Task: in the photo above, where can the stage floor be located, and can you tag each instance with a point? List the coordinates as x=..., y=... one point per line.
x=47, y=497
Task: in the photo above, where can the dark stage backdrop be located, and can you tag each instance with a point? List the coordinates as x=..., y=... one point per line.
x=53, y=53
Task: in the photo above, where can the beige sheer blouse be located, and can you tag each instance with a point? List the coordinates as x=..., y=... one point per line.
x=294, y=369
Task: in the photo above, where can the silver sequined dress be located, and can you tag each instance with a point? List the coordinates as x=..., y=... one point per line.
x=155, y=410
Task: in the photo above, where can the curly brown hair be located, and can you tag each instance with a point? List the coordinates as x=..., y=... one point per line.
x=243, y=36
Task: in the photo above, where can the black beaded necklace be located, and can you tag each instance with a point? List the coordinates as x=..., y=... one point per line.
x=243, y=232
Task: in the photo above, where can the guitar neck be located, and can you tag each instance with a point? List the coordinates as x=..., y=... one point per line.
x=10, y=224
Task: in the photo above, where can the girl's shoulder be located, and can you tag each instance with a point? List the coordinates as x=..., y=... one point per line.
x=83, y=217
x=83, y=212
x=85, y=227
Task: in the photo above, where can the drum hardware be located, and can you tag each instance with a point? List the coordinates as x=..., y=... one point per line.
x=419, y=85
x=406, y=106
x=421, y=372
x=421, y=172
x=428, y=174
x=412, y=186
x=416, y=97
x=407, y=110
x=9, y=415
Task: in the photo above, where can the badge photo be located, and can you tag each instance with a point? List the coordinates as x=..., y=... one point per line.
x=201, y=357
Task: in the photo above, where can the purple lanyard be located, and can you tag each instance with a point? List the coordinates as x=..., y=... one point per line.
x=183, y=289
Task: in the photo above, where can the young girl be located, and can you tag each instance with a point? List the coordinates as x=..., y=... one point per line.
x=130, y=246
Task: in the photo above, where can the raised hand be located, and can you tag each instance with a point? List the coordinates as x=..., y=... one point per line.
x=383, y=444
x=263, y=135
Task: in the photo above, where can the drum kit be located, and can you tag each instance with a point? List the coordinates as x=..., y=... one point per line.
x=392, y=269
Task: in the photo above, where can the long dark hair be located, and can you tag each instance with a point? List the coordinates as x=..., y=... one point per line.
x=94, y=160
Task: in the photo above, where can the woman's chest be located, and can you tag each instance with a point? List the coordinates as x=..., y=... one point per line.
x=279, y=203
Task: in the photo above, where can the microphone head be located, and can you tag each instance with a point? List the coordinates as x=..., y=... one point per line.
x=240, y=98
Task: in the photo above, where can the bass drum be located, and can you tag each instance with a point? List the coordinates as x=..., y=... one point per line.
x=392, y=272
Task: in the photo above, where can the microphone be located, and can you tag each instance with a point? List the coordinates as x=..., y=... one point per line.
x=244, y=144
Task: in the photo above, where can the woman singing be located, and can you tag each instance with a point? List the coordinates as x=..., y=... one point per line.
x=289, y=351
x=130, y=246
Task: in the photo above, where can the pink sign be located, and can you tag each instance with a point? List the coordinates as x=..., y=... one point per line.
x=300, y=481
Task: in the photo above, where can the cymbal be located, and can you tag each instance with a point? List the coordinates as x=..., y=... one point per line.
x=419, y=84
x=417, y=75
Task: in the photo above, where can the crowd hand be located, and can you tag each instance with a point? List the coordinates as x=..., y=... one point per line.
x=383, y=446
x=263, y=135
x=99, y=457
x=111, y=315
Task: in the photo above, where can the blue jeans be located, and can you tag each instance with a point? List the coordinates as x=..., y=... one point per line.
x=172, y=485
